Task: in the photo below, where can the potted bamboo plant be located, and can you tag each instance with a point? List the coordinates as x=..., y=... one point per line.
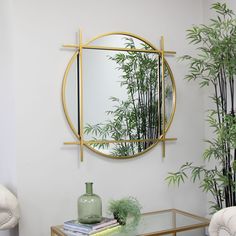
x=215, y=66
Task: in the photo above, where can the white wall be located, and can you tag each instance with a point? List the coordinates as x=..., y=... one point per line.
x=7, y=118
x=7, y=134
x=50, y=175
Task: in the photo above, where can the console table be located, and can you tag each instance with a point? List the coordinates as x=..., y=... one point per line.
x=165, y=222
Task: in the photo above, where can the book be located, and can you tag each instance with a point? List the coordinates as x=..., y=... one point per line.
x=101, y=232
x=90, y=231
x=72, y=233
x=74, y=224
x=107, y=231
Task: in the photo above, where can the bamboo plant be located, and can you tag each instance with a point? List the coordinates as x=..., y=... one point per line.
x=215, y=66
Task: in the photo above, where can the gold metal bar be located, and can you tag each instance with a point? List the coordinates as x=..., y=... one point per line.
x=200, y=218
x=163, y=97
x=71, y=46
x=56, y=231
x=170, y=52
x=116, y=49
x=174, y=221
x=72, y=143
x=127, y=141
x=118, y=141
x=81, y=98
x=121, y=49
x=168, y=139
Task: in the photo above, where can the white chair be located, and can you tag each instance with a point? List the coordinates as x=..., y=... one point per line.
x=223, y=222
x=9, y=209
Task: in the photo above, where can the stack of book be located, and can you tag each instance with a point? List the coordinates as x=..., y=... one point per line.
x=105, y=227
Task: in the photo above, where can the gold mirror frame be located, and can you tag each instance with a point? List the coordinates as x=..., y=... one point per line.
x=79, y=48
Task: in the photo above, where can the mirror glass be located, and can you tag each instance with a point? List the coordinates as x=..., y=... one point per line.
x=122, y=96
x=118, y=41
x=71, y=96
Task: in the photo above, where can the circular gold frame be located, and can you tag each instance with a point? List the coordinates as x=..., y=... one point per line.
x=64, y=82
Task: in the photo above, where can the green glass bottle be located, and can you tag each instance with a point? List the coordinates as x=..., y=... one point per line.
x=89, y=206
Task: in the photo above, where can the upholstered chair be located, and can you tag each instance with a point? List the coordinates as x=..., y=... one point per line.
x=223, y=222
x=9, y=209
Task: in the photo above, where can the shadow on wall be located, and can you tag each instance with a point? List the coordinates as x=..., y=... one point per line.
x=10, y=232
x=14, y=232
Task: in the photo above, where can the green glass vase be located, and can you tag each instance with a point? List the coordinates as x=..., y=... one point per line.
x=89, y=206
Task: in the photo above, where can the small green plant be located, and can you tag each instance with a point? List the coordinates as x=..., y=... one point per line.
x=124, y=208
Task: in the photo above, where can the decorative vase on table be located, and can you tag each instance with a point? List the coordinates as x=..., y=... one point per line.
x=89, y=206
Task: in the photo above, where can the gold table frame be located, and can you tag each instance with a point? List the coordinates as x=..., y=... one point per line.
x=203, y=222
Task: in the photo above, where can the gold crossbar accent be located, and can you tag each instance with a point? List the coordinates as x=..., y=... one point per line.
x=117, y=49
x=120, y=141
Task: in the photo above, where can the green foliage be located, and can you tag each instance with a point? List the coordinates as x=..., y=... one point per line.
x=124, y=208
x=215, y=65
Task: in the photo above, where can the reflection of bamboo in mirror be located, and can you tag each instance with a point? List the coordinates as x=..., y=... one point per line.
x=160, y=107
x=159, y=95
x=137, y=116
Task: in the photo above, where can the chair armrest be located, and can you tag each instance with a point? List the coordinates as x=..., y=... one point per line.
x=9, y=209
x=224, y=220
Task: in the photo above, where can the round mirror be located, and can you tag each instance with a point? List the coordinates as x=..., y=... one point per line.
x=123, y=93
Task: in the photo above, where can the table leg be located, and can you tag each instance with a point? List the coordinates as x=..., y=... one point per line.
x=53, y=232
x=174, y=221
